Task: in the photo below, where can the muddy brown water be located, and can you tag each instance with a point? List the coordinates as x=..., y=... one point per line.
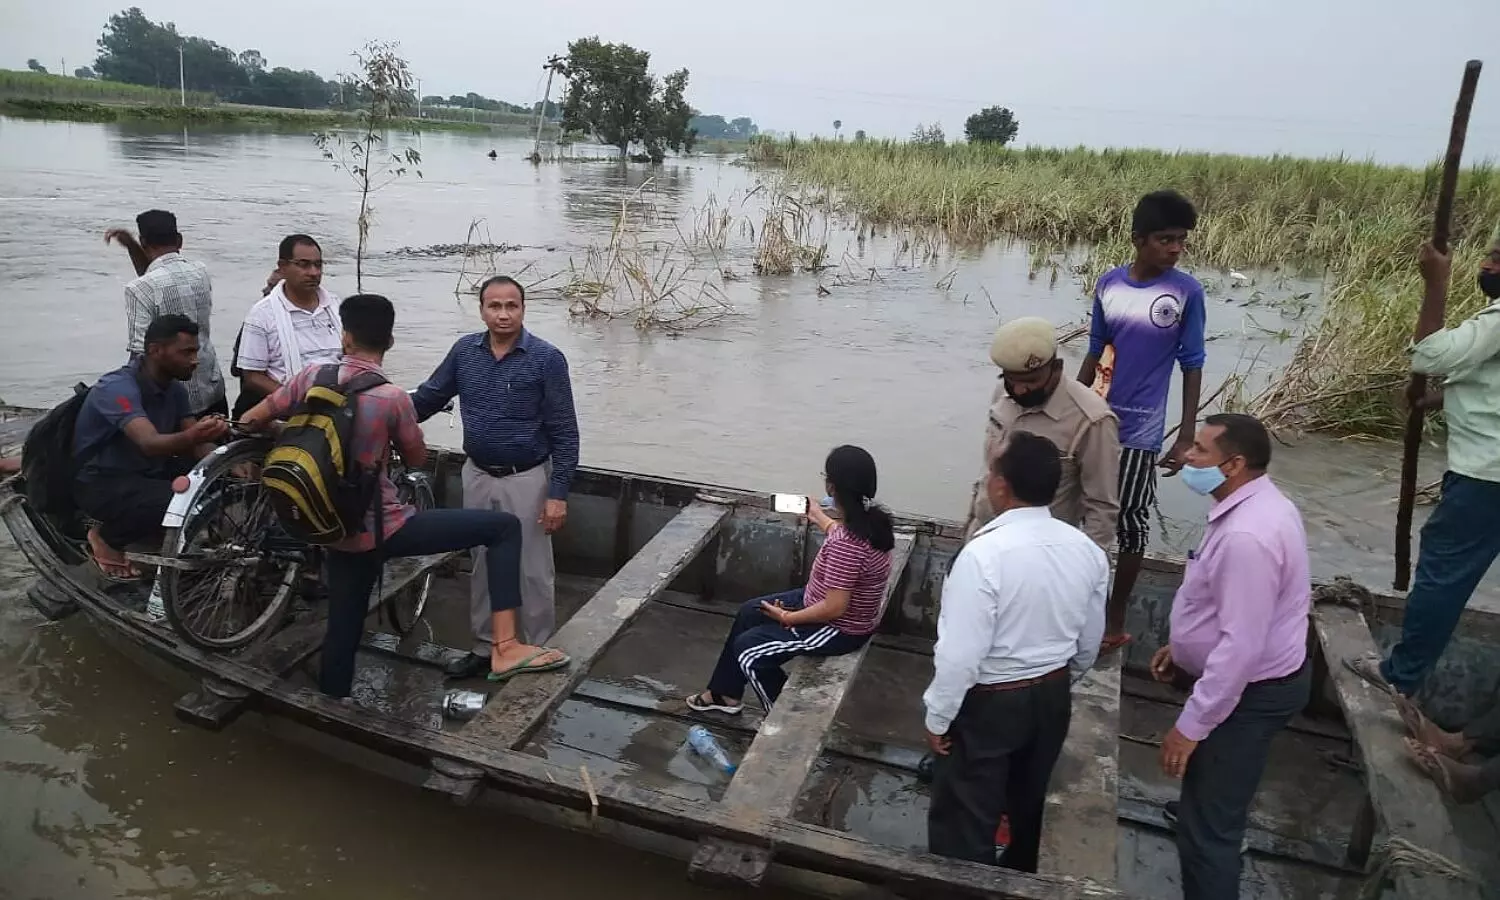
x=104, y=794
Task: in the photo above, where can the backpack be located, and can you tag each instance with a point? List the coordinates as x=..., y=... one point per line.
x=47, y=460
x=310, y=477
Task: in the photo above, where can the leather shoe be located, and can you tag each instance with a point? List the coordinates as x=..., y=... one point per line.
x=470, y=665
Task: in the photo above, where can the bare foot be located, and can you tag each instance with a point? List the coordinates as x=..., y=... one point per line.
x=110, y=561
x=1457, y=780
x=9, y=465
x=1422, y=728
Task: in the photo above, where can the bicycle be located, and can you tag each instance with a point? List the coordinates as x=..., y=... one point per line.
x=231, y=572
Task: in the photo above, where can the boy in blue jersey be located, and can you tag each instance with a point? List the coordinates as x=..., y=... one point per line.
x=1152, y=314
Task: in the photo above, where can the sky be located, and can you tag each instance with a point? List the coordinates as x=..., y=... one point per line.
x=1365, y=78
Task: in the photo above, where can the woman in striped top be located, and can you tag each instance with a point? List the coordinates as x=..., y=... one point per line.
x=834, y=614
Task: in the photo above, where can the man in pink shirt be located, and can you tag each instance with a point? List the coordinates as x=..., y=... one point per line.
x=1239, y=633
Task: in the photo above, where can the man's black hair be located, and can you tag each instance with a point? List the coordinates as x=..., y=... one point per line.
x=501, y=279
x=1162, y=211
x=1243, y=436
x=370, y=320
x=158, y=228
x=1032, y=466
x=165, y=329
x=289, y=245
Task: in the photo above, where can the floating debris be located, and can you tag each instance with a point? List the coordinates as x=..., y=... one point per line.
x=442, y=250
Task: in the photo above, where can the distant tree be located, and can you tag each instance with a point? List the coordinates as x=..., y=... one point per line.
x=35, y=66
x=837, y=125
x=743, y=128
x=992, y=125
x=136, y=50
x=85, y=72
x=859, y=136
x=384, y=85
x=294, y=90
x=612, y=94
x=929, y=135
x=252, y=61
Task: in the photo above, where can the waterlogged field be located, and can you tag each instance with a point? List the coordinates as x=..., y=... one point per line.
x=1358, y=222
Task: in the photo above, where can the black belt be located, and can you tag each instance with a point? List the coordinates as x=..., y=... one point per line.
x=1061, y=672
x=507, y=471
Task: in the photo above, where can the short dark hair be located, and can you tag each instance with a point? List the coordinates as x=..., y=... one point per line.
x=290, y=242
x=1162, y=211
x=1032, y=466
x=158, y=228
x=501, y=279
x=1243, y=436
x=165, y=329
x=370, y=320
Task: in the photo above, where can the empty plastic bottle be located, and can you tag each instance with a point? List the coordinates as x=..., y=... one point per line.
x=705, y=746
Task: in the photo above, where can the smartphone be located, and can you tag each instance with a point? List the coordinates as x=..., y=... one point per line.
x=791, y=503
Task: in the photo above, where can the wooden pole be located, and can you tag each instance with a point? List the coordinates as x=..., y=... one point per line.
x=1429, y=320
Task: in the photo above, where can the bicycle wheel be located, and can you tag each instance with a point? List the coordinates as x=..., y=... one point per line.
x=238, y=569
x=405, y=608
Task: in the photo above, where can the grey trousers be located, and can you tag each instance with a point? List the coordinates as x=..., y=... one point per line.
x=1222, y=777
x=523, y=496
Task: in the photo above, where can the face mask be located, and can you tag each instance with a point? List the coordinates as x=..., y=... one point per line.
x=1489, y=283
x=1203, y=480
x=826, y=502
x=1030, y=399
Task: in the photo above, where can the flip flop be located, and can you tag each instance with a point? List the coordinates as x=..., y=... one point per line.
x=524, y=667
x=1114, y=642
x=104, y=573
x=1430, y=763
x=696, y=704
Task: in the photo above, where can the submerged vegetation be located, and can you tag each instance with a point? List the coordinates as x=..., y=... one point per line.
x=1359, y=222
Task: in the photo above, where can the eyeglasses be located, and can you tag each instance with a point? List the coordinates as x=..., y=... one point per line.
x=305, y=264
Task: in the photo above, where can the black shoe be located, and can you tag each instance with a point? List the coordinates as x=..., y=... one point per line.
x=470, y=665
x=1169, y=812
x=924, y=768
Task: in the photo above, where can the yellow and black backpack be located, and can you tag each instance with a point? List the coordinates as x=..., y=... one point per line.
x=318, y=492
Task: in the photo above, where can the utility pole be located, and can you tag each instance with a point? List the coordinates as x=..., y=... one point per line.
x=419, y=98
x=181, y=79
x=554, y=65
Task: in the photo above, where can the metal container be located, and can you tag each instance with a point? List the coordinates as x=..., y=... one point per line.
x=463, y=705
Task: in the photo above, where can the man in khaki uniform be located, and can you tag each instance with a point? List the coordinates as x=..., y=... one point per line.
x=1034, y=396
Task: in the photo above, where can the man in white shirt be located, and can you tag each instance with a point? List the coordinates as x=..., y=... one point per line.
x=1022, y=610
x=294, y=326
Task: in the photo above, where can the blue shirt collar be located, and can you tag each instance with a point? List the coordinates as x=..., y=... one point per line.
x=482, y=340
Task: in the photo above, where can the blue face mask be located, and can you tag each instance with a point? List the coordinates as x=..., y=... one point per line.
x=1204, y=480
x=826, y=502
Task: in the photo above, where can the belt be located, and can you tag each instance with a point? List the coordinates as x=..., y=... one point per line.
x=1053, y=675
x=507, y=471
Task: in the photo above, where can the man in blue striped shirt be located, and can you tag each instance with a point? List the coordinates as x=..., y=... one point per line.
x=521, y=439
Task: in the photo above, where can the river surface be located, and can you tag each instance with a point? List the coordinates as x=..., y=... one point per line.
x=102, y=794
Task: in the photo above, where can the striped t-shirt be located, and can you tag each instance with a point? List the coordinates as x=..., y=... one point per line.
x=847, y=563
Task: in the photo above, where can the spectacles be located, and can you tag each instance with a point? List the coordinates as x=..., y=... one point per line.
x=305, y=263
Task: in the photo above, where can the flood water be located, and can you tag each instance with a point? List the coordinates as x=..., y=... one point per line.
x=105, y=795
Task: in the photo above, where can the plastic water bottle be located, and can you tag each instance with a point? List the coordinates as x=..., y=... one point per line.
x=705, y=746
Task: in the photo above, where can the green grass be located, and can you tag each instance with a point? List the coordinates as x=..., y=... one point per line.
x=36, y=86
x=1360, y=221
x=222, y=114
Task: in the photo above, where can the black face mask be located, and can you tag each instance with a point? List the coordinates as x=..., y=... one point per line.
x=1030, y=399
x=1489, y=283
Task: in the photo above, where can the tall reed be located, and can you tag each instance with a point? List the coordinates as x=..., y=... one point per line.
x=1360, y=221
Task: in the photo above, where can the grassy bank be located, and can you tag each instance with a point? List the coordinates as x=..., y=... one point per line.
x=56, y=88
x=1360, y=221
x=221, y=114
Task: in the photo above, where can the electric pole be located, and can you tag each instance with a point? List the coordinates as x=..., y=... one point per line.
x=181, y=79
x=556, y=65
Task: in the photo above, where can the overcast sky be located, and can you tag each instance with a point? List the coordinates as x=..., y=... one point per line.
x=1363, y=77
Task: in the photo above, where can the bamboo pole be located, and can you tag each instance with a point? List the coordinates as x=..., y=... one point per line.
x=1429, y=320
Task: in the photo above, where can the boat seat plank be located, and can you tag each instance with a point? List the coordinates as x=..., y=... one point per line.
x=1079, y=836
x=774, y=771
x=1408, y=806
x=523, y=704
x=216, y=704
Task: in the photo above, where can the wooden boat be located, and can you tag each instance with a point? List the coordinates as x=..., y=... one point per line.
x=826, y=799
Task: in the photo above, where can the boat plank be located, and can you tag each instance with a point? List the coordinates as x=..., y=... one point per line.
x=1408, y=806
x=215, y=705
x=774, y=771
x=521, y=705
x=1080, y=837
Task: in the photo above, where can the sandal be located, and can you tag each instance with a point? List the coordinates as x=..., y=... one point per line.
x=715, y=704
x=115, y=573
x=1113, y=642
x=525, y=667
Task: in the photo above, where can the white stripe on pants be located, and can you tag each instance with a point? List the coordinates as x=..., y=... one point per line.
x=801, y=645
x=523, y=496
